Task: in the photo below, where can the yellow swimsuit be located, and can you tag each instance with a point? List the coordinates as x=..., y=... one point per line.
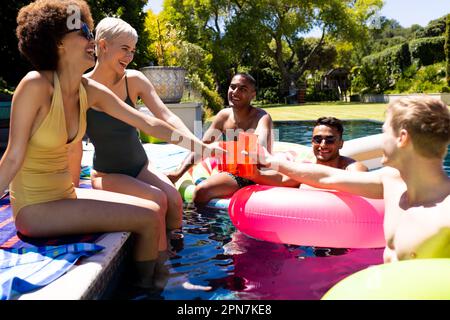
x=44, y=175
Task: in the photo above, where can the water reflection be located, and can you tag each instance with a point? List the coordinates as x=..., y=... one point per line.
x=219, y=262
x=214, y=261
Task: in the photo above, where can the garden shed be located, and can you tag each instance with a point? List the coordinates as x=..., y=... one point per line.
x=336, y=80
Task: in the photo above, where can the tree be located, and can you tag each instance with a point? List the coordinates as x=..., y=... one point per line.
x=169, y=49
x=434, y=28
x=385, y=33
x=447, y=50
x=203, y=23
x=163, y=39
x=132, y=12
x=245, y=33
x=14, y=66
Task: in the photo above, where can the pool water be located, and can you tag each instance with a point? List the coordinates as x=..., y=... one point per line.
x=214, y=261
x=301, y=131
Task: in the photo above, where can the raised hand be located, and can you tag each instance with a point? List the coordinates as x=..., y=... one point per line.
x=262, y=157
x=212, y=150
x=173, y=176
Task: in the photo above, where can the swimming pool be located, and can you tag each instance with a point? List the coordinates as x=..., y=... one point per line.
x=214, y=261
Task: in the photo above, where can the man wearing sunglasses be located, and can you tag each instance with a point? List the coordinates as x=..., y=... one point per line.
x=413, y=183
x=326, y=142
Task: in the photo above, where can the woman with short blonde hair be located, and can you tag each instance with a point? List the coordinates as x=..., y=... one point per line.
x=120, y=162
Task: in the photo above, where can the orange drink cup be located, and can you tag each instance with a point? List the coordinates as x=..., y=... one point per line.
x=228, y=161
x=247, y=142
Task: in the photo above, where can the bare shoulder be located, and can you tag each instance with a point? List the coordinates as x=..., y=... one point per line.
x=138, y=82
x=261, y=112
x=36, y=84
x=38, y=79
x=37, y=76
x=225, y=112
x=389, y=172
x=136, y=77
x=390, y=177
x=446, y=201
x=220, y=119
x=95, y=91
x=134, y=74
x=223, y=115
x=92, y=85
x=353, y=165
x=263, y=121
x=262, y=116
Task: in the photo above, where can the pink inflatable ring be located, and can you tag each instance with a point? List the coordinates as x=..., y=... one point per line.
x=308, y=217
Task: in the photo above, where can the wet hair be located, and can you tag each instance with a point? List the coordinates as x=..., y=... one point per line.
x=42, y=24
x=247, y=77
x=110, y=28
x=426, y=119
x=331, y=122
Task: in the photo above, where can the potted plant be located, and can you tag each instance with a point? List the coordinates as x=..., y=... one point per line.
x=167, y=78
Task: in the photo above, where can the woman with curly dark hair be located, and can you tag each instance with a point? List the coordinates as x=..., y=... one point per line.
x=48, y=116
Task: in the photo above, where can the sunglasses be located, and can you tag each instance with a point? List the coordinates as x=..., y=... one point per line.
x=328, y=139
x=85, y=31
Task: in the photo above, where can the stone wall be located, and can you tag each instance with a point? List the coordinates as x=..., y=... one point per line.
x=386, y=98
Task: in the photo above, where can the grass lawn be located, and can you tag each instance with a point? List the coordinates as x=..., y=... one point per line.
x=340, y=110
x=314, y=110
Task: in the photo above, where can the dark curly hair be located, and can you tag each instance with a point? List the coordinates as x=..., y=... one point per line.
x=42, y=24
x=247, y=77
x=331, y=122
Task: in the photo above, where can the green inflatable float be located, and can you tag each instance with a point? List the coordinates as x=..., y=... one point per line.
x=421, y=279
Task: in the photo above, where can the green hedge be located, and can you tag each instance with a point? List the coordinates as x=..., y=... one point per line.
x=427, y=51
x=395, y=59
x=424, y=52
x=447, y=49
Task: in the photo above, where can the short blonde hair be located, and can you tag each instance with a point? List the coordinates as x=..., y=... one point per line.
x=110, y=28
x=426, y=119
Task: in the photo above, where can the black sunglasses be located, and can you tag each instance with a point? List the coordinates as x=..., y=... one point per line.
x=328, y=139
x=85, y=30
